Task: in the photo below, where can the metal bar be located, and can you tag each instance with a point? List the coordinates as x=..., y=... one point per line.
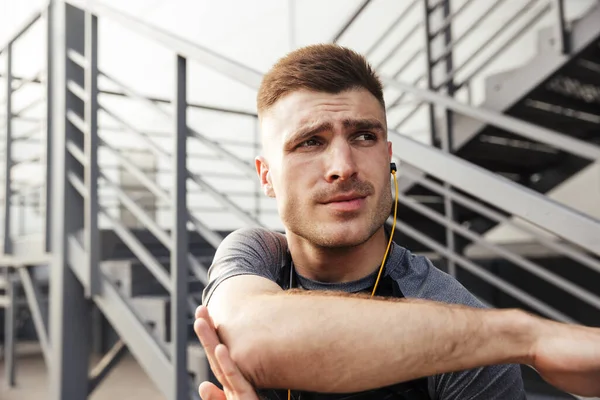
x=135, y=171
x=395, y=23
x=110, y=360
x=79, y=59
x=77, y=153
x=77, y=184
x=550, y=277
x=528, y=25
x=8, y=161
x=77, y=122
x=516, y=200
x=446, y=138
x=139, y=251
x=471, y=29
x=401, y=43
x=10, y=315
x=190, y=105
x=179, y=236
x=140, y=214
x=399, y=99
x=27, y=108
x=77, y=90
x=49, y=122
x=520, y=127
x=206, y=57
x=244, y=166
x=448, y=18
x=488, y=277
x=40, y=318
x=234, y=208
x=561, y=248
x=348, y=23
x=129, y=326
x=158, y=151
x=24, y=28
x=561, y=27
x=412, y=113
x=429, y=74
x=91, y=239
x=199, y=270
x=211, y=236
x=27, y=136
x=412, y=58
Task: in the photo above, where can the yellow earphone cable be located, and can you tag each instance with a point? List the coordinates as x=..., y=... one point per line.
x=391, y=235
x=387, y=250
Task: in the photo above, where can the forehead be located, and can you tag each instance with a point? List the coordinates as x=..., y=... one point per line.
x=305, y=108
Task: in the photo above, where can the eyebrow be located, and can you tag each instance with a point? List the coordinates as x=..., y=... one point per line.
x=311, y=130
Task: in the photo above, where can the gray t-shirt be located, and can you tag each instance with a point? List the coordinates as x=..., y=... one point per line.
x=258, y=251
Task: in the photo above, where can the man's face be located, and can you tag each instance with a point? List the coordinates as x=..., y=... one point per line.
x=327, y=163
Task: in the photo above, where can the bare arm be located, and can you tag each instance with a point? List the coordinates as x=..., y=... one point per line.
x=341, y=343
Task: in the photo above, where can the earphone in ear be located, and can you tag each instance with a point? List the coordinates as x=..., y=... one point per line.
x=393, y=167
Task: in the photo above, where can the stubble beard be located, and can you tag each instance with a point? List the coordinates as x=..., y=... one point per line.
x=302, y=224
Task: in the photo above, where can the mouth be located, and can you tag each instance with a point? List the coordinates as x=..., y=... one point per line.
x=346, y=202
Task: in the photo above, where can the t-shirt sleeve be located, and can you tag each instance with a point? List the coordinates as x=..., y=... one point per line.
x=246, y=251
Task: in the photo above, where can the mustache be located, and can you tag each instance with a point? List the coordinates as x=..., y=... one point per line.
x=355, y=186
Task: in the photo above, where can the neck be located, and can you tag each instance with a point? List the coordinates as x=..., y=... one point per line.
x=339, y=264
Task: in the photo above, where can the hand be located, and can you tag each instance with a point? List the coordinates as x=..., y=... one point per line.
x=568, y=357
x=235, y=385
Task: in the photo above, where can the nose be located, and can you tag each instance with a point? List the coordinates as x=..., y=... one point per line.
x=341, y=162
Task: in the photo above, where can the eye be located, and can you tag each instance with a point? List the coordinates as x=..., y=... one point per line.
x=309, y=143
x=363, y=136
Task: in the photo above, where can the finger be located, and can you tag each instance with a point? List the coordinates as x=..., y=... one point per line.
x=209, y=391
x=202, y=312
x=209, y=339
x=237, y=383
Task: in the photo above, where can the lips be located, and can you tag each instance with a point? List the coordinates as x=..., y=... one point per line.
x=345, y=198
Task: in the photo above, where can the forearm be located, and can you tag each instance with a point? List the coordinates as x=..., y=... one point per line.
x=338, y=343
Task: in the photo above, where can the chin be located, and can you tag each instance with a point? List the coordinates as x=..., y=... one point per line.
x=343, y=234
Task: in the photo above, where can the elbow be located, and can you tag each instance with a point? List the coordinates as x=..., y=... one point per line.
x=251, y=359
x=249, y=349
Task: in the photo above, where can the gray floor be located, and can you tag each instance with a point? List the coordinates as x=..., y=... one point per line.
x=126, y=382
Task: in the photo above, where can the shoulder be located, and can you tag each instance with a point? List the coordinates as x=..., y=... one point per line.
x=247, y=251
x=418, y=277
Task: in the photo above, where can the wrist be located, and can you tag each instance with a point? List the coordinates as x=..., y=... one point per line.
x=525, y=332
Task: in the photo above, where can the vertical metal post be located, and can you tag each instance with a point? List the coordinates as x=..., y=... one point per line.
x=91, y=232
x=429, y=67
x=7, y=245
x=10, y=316
x=562, y=33
x=446, y=139
x=48, y=140
x=70, y=312
x=179, y=264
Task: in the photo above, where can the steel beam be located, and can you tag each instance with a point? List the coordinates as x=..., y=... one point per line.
x=70, y=312
x=7, y=154
x=39, y=314
x=179, y=249
x=9, y=329
x=91, y=232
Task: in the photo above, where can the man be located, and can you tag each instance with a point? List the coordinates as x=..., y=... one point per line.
x=295, y=311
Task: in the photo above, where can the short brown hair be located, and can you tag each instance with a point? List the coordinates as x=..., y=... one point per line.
x=326, y=68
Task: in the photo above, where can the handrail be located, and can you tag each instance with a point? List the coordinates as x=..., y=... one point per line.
x=24, y=28
x=526, y=129
x=350, y=21
x=225, y=66
x=516, y=200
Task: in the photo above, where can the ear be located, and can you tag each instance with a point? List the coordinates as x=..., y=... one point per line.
x=390, y=150
x=262, y=169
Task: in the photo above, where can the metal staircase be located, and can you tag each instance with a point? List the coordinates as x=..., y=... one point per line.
x=480, y=168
